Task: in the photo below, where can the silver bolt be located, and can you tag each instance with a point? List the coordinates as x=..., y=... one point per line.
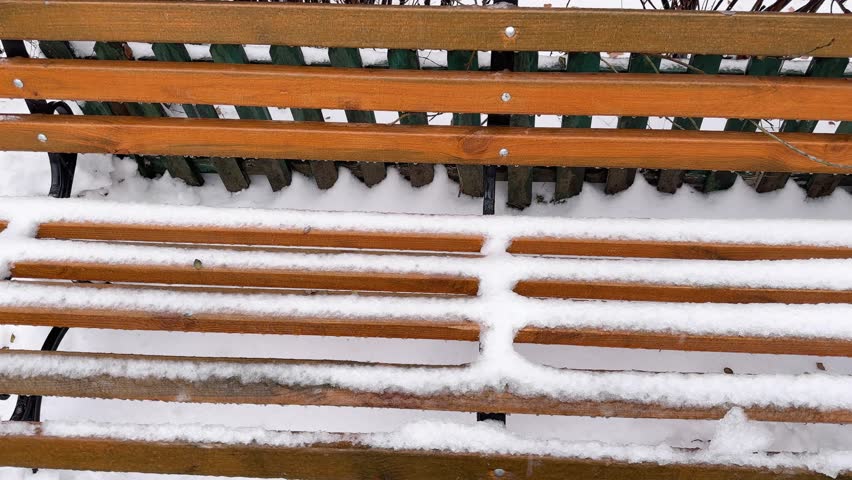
x=42, y=138
x=504, y=152
x=506, y=96
x=499, y=472
x=510, y=31
x=18, y=83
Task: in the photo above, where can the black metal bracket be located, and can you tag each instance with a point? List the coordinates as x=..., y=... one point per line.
x=62, y=167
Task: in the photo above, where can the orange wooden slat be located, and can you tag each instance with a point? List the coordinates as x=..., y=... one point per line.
x=455, y=329
x=463, y=28
x=248, y=277
x=267, y=392
x=379, y=327
x=344, y=457
x=666, y=249
x=688, y=342
x=435, y=242
x=648, y=292
x=617, y=148
x=432, y=91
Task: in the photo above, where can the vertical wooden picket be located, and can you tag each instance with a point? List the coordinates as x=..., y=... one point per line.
x=521, y=178
x=277, y=171
x=178, y=167
x=471, y=177
x=619, y=179
x=671, y=180
x=759, y=67
x=769, y=181
x=371, y=172
x=418, y=174
x=324, y=172
x=569, y=181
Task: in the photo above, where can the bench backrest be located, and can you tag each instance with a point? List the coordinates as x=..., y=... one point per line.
x=123, y=87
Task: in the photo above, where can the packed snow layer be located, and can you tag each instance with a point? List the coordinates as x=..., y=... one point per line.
x=821, y=391
x=34, y=210
x=484, y=438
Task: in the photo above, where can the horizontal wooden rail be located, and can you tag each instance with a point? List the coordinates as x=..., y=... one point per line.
x=648, y=292
x=266, y=392
x=566, y=147
x=414, y=328
x=344, y=460
x=410, y=328
x=425, y=241
x=689, y=342
x=592, y=247
x=248, y=277
x=430, y=91
x=471, y=28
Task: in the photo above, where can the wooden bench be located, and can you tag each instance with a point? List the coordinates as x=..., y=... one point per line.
x=500, y=281
x=125, y=116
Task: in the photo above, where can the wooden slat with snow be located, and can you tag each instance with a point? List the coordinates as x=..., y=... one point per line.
x=375, y=281
x=650, y=292
x=430, y=241
x=448, y=91
x=81, y=375
x=464, y=28
x=347, y=457
x=428, y=144
x=305, y=237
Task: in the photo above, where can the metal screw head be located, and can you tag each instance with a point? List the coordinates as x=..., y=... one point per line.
x=510, y=31
x=499, y=472
x=18, y=83
x=42, y=138
x=504, y=152
x=506, y=96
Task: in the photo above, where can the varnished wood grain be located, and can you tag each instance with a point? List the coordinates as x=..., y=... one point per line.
x=457, y=329
x=672, y=340
x=666, y=249
x=440, y=91
x=248, y=277
x=426, y=144
x=308, y=237
x=379, y=327
x=465, y=28
x=230, y=390
x=344, y=459
x=649, y=292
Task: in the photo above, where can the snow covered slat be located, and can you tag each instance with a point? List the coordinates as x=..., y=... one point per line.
x=670, y=249
x=674, y=340
x=450, y=388
x=537, y=29
x=248, y=277
x=621, y=148
x=774, y=330
x=304, y=237
x=450, y=328
x=650, y=292
x=407, y=455
x=448, y=91
x=434, y=242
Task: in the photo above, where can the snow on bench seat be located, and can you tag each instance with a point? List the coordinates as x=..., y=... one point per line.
x=681, y=285
x=423, y=450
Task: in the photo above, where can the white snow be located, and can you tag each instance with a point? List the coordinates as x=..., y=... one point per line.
x=484, y=438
